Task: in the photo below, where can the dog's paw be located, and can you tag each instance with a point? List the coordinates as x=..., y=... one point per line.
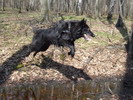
x=70, y=53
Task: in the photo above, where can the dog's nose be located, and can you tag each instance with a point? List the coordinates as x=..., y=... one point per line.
x=93, y=35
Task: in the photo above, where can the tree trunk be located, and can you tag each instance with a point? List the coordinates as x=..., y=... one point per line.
x=45, y=10
x=96, y=8
x=129, y=45
x=120, y=22
x=111, y=9
x=3, y=5
x=20, y=6
x=79, y=7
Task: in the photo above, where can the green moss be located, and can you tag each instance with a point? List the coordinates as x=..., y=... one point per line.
x=62, y=56
x=19, y=66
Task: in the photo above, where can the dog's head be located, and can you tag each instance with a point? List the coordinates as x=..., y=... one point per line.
x=85, y=30
x=81, y=29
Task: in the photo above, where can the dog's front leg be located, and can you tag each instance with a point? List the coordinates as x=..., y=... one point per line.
x=72, y=50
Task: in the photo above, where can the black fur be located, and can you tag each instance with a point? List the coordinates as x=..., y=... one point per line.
x=63, y=34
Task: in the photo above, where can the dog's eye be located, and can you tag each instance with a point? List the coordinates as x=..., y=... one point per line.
x=85, y=29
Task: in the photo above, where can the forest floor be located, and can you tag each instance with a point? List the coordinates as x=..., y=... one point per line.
x=102, y=57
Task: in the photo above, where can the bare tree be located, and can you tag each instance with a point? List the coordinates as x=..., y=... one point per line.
x=20, y=6
x=111, y=9
x=120, y=22
x=79, y=7
x=3, y=5
x=120, y=25
x=130, y=44
x=45, y=10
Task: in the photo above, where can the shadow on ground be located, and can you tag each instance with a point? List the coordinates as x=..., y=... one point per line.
x=12, y=62
x=124, y=32
x=15, y=60
x=126, y=91
x=68, y=71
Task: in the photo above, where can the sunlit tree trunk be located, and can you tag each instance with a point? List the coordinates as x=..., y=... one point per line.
x=79, y=7
x=96, y=8
x=45, y=10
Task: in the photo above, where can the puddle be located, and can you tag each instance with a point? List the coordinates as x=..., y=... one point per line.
x=89, y=90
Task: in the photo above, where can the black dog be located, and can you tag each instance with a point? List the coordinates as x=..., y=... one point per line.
x=64, y=33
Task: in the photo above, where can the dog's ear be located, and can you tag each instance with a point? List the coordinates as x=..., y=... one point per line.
x=83, y=21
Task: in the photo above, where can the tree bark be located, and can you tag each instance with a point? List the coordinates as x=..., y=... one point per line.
x=120, y=22
x=45, y=10
x=111, y=9
x=130, y=44
x=3, y=5
x=20, y=6
x=79, y=7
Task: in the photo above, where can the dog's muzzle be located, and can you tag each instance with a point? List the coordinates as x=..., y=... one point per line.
x=88, y=36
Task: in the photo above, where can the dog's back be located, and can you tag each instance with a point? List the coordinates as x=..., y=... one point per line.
x=43, y=38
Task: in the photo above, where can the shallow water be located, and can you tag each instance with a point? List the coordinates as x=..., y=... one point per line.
x=88, y=90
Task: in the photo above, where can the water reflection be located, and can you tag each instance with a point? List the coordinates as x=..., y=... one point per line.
x=88, y=90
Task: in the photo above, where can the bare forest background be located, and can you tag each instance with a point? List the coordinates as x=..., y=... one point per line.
x=108, y=55
x=90, y=8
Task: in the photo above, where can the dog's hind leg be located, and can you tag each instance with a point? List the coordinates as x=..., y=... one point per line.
x=44, y=47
